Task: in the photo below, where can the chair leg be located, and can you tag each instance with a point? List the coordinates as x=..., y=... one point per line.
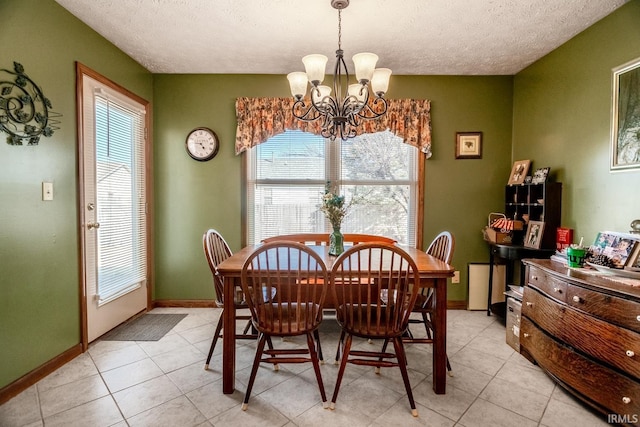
x=270, y=345
x=254, y=370
x=216, y=335
x=402, y=364
x=316, y=335
x=384, y=348
x=343, y=364
x=316, y=367
x=247, y=326
x=340, y=344
x=427, y=324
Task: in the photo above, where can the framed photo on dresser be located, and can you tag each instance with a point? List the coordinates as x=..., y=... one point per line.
x=535, y=231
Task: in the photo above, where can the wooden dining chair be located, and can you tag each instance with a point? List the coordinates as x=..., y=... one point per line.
x=323, y=238
x=304, y=238
x=441, y=247
x=285, y=285
x=361, y=278
x=217, y=250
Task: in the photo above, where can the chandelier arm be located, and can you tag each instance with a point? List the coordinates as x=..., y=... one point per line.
x=309, y=115
x=369, y=113
x=339, y=77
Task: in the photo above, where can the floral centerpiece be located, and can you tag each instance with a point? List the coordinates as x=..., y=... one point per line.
x=335, y=210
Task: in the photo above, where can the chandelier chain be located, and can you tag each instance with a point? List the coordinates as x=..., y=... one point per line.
x=340, y=29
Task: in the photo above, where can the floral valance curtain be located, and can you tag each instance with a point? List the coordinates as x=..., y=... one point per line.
x=261, y=118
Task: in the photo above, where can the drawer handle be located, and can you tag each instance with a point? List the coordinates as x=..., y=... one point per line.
x=630, y=353
x=536, y=278
x=558, y=290
x=576, y=298
x=626, y=400
x=529, y=304
x=526, y=335
x=638, y=318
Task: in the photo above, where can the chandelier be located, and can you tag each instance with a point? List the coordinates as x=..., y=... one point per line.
x=342, y=109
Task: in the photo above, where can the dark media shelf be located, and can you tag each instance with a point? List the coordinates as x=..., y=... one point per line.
x=535, y=202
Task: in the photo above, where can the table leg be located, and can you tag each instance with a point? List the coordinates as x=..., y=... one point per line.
x=229, y=338
x=440, y=337
x=491, y=260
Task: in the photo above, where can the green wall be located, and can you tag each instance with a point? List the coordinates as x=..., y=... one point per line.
x=192, y=196
x=39, y=285
x=556, y=112
x=561, y=119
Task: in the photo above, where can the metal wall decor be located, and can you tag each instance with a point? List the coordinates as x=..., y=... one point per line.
x=24, y=110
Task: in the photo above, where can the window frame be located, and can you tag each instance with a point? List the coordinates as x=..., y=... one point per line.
x=333, y=169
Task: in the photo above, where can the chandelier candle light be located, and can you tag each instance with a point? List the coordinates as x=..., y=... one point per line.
x=340, y=114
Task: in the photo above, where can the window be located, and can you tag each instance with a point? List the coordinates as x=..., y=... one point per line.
x=378, y=174
x=115, y=188
x=120, y=191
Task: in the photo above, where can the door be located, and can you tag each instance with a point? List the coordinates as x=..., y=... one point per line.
x=113, y=205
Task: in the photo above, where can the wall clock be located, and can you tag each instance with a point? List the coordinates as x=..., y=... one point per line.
x=202, y=144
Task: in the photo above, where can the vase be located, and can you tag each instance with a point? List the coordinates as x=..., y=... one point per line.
x=336, y=242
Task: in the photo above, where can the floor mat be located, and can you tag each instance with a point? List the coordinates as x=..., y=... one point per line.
x=149, y=327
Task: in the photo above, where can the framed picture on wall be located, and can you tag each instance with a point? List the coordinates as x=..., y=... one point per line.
x=625, y=117
x=468, y=145
x=534, y=234
x=519, y=172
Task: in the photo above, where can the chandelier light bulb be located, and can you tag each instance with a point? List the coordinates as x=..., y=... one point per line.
x=380, y=81
x=358, y=91
x=298, y=84
x=365, y=63
x=315, y=65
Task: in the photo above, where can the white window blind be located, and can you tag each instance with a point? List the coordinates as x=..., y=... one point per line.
x=120, y=195
x=286, y=177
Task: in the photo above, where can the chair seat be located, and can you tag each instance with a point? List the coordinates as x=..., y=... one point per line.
x=364, y=319
x=293, y=319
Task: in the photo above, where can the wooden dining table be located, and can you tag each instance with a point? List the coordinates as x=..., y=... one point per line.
x=433, y=273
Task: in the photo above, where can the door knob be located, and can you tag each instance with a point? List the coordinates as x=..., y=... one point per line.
x=91, y=225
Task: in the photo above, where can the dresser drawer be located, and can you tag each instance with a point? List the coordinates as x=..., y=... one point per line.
x=548, y=284
x=612, y=390
x=616, y=310
x=597, y=338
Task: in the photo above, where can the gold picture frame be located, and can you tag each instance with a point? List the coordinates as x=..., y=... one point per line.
x=519, y=172
x=468, y=145
x=625, y=140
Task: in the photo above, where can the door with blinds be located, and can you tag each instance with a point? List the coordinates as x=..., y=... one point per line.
x=113, y=203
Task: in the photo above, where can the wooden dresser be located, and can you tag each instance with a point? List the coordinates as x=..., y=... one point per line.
x=584, y=331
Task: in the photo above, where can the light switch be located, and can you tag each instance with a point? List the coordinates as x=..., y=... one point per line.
x=47, y=191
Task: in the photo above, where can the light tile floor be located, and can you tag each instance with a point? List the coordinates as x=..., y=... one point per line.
x=163, y=383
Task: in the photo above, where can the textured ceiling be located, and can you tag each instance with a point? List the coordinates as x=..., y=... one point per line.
x=455, y=37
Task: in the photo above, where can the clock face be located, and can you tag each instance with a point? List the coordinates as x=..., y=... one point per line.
x=202, y=144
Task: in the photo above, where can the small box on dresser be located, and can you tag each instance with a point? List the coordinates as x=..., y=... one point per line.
x=584, y=331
